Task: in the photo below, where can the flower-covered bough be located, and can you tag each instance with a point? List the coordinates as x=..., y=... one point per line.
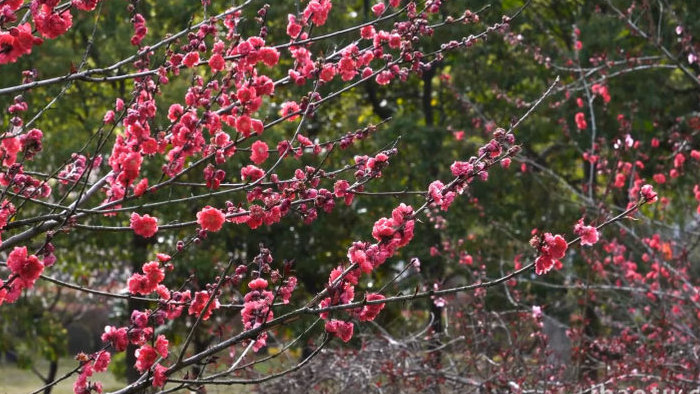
x=218, y=139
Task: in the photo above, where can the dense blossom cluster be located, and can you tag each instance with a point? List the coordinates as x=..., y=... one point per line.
x=256, y=309
x=50, y=20
x=26, y=269
x=551, y=249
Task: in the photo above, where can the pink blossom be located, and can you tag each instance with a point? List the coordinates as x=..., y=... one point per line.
x=244, y=125
x=257, y=284
x=370, y=312
x=317, y=11
x=159, y=377
x=580, y=119
x=285, y=291
x=555, y=245
x=289, y=108
x=293, y=28
x=49, y=23
x=102, y=360
x=378, y=9
x=153, y=272
x=145, y=357
x=117, y=337
x=200, y=300
x=191, y=59
x=461, y=168
x=552, y=249
x=270, y=56
x=161, y=346
x=27, y=267
x=259, y=152
x=589, y=234
x=210, y=219
x=85, y=5
x=216, y=62
x=543, y=264
x=649, y=194
x=251, y=173
x=145, y=226
x=341, y=329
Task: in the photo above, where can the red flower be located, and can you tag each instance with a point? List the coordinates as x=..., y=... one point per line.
x=85, y=5
x=162, y=346
x=659, y=178
x=131, y=164
x=145, y=357
x=588, y=234
x=9, y=50
x=16, y=42
x=49, y=23
x=543, y=264
x=370, y=312
x=3, y=293
x=259, y=152
x=554, y=248
x=13, y=4
x=145, y=226
x=285, y=291
x=257, y=284
x=328, y=72
x=270, y=56
x=649, y=194
x=28, y=268
x=461, y=168
x=289, y=108
x=102, y=361
x=340, y=189
x=141, y=187
x=153, y=272
x=159, y=377
x=378, y=9
x=251, y=173
x=24, y=37
x=117, y=337
x=243, y=125
x=555, y=245
x=580, y=119
x=210, y=219
x=293, y=28
x=341, y=329
x=139, y=284
x=217, y=63
x=200, y=300
x=317, y=11
x=191, y=59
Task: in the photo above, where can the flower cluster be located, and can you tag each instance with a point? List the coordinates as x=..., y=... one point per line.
x=25, y=269
x=98, y=362
x=551, y=249
x=49, y=19
x=256, y=309
x=145, y=226
x=589, y=234
x=210, y=219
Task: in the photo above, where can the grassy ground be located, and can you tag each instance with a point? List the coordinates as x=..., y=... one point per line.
x=16, y=381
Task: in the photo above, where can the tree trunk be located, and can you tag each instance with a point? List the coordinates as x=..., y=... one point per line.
x=53, y=369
